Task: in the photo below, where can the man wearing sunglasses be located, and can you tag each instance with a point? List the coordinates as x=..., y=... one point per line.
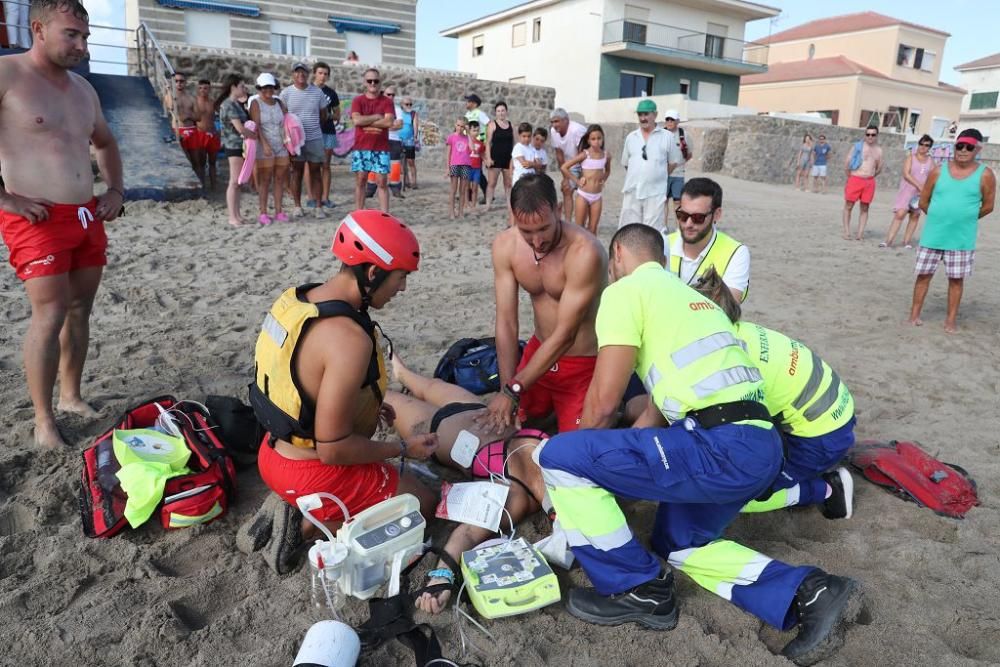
x=956, y=195
x=863, y=165
x=648, y=156
x=373, y=114
x=697, y=245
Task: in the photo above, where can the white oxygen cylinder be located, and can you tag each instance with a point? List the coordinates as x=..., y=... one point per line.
x=329, y=644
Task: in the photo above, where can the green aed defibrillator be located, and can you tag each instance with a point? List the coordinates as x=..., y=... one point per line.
x=507, y=578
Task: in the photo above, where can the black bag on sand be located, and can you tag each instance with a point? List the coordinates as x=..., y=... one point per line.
x=471, y=363
x=241, y=431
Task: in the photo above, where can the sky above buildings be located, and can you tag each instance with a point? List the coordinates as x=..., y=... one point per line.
x=973, y=24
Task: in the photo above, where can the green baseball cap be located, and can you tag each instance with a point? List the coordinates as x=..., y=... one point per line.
x=646, y=106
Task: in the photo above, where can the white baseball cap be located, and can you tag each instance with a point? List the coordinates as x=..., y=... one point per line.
x=672, y=113
x=266, y=79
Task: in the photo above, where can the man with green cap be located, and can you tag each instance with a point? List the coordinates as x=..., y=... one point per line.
x=646, y=157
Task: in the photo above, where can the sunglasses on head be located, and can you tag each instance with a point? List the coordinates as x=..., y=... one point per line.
x=373, y=81
x=696, y=218
x=965, y=147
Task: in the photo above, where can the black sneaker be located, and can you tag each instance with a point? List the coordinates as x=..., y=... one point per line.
x=840, y=504
x=286, y=548
x=650, y=604
x=821, y=601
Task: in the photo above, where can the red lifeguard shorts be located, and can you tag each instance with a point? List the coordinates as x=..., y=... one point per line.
x=359, y=486
x=211, y=142
x=561, y=390
x=191, y=138
x=69, y=239
x=859, y=188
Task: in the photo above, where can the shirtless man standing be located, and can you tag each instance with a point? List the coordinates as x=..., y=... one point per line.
x=204, y=107
x=564, y=269
x=49, y=218
x=183, y=117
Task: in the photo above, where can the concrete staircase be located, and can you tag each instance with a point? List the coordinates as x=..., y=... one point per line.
x=153, y=169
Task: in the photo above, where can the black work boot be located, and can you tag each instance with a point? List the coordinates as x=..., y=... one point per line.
x=650, y=604
x=840, y=504
x=821, y=601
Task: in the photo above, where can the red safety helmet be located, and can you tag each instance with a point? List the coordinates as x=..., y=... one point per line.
x=373, y=237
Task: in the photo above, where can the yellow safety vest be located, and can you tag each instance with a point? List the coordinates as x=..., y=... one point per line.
x=799, y=387
x=276, y=395
x=719, y=255
x=689, y=356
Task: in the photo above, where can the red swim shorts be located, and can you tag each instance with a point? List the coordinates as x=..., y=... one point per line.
x=359, y=486
x=69, y=239
x=561, y=389
x=191, y=138
x=859, y=188
x=211, y=142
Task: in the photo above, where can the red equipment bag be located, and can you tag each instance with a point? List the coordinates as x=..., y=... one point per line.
x=198, y=497
x=906, y=470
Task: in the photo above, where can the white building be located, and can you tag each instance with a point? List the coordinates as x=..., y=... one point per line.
x=379, y=31
x=981, y=78
x=602, y=55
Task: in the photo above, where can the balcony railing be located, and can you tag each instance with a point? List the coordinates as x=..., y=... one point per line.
x=685, y=41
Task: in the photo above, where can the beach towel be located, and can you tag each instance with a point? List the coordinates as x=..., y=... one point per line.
x=345, y=143
x=250, y=154
x=295, y=136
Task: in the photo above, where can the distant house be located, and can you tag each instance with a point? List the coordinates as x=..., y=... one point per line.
x=981, y=78
x=602, y=55
x=378, y=31
x=858, y=70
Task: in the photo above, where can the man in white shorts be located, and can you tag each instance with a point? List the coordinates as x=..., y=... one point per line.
x=646, y=156
x=821, y=151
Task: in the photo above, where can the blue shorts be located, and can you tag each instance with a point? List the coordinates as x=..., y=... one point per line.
x=329, y=141
x=475, y=173
x=674, y=186
x=370, y=161
x=808, y=458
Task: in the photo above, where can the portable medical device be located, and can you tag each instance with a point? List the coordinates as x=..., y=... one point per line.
x=370, y=549
x=508, y=578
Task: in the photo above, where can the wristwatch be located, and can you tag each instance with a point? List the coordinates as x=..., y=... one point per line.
x=513, y=390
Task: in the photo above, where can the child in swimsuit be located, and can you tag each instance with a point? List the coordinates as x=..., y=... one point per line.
x=590, y=186
x=435, y=406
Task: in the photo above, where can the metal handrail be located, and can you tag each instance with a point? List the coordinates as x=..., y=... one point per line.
x=141, y=35
x=686, y=40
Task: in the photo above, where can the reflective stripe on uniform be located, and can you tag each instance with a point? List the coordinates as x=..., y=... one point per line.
x=812, y=384
x=703, y=347
x=720, y=565
x=778, y=500
x=824, y=402
x=727, y=377
x=613, y=540
x=588, y=514
x=653, y=377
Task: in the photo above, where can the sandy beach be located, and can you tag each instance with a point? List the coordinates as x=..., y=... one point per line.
x=179, y=310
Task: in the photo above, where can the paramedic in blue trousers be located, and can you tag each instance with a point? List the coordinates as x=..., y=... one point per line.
x=719, y=452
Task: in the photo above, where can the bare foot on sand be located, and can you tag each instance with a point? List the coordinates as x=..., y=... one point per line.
x=77, y=406
x=47, y=436
x=950, y=328
x=915, y=321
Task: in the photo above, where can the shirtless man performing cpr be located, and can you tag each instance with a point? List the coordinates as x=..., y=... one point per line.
x=564, y=269
x=51, y=222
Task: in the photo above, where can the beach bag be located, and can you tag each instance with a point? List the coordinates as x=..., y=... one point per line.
x=906, y=470
x=200, y=496
x=471, y=363
x=857, y=155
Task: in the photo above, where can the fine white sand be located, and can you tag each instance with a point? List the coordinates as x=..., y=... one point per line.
x=184, y=295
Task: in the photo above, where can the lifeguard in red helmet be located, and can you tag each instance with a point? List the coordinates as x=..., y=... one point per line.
x=318, y=388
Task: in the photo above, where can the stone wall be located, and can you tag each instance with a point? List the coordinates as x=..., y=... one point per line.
x=437, y=94
x=762, y=148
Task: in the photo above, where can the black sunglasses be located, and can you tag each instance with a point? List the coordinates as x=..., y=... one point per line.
x=390, y=94
x=964, y=147
x=644, y=152
x=696, y=218
x=373, y=81
x=871, y=134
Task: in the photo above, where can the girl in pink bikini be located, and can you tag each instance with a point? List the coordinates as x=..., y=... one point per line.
x=596, y=166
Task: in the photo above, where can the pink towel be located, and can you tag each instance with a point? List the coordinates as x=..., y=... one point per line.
x=250, y=147
x=295, y=136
